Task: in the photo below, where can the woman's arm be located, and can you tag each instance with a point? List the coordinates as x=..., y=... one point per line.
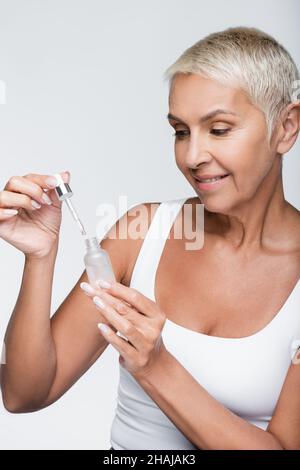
x=46, y=356
x=30, y=358
x=210, y=425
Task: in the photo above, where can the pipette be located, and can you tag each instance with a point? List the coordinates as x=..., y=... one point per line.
x=64, y=193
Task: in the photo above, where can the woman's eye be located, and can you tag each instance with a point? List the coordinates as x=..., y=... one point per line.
x=180, y=134
x=219, y=131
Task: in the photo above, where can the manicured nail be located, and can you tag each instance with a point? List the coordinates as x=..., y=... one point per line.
x=103, y=283
x=103, y=327
x=35, y=204
x=10, y=211
x=51, y=181
x=87, y=288
x=46, y=199
x=99, y=302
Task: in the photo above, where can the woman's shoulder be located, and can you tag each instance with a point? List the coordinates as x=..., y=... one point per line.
x=143, y=215
x=135, y=223
x=122, y=241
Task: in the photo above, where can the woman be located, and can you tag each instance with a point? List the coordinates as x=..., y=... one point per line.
x=208, y=361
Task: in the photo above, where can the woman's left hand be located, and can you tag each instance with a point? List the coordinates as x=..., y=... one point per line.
x=137, y=317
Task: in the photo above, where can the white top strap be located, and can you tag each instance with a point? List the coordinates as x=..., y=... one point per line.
x=153, y=244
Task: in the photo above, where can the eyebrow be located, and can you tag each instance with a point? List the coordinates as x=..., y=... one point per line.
x=206, y=117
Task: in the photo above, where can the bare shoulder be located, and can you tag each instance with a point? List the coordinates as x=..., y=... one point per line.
x=123, y=241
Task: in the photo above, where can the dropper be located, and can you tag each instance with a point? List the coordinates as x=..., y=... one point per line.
x=64, y=193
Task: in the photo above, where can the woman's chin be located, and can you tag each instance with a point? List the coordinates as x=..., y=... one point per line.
x=215, y=206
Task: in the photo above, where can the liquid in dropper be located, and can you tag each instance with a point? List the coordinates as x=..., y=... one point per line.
x=75, y=215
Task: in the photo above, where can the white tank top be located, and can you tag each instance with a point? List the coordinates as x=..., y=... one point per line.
x=244, y=374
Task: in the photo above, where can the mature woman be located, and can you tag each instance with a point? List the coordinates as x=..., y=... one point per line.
x=210, y=360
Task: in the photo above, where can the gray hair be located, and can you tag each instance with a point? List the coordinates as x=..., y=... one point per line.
x=247, y=58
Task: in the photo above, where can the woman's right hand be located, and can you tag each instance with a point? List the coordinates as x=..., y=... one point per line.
x=34, y=231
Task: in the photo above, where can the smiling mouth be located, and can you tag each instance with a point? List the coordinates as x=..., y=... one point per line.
x=211, y=183
x=210, y=180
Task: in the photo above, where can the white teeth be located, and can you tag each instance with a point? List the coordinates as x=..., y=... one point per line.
x=210, y=180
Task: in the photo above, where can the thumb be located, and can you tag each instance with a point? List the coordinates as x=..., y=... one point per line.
x=66, y=176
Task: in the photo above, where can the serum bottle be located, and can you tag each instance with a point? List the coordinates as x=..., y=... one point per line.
x=98, y=266
x=97, y=262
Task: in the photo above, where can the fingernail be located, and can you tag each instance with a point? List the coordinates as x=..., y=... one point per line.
x=99, y=302
x=87, y=288
x=65, y=176
x=10, y=211
x=46, y=199
x=103, y=283
x=103, y=327
x=51, y=181
x=35, y=204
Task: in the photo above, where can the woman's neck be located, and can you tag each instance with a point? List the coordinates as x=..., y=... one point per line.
x=263, y=222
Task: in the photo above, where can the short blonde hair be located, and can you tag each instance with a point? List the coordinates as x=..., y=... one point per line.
x=247, y=58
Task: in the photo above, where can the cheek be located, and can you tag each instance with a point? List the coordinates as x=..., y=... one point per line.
x=246, y=158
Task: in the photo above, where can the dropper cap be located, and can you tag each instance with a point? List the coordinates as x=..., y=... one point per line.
x=63, y=190
x=92, y=244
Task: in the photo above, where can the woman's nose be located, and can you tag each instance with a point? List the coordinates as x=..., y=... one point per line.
x=197, y=153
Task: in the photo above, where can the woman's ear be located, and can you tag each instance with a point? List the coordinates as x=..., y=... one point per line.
x=289, y=128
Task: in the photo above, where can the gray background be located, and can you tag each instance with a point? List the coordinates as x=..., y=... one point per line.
x=85, y=93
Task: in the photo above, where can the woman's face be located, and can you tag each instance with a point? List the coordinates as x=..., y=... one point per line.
x=234, y=142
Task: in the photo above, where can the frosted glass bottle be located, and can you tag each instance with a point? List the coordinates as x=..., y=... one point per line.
x=98, y=265
x=97, y=262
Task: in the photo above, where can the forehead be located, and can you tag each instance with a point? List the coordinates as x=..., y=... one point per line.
x=193, y=92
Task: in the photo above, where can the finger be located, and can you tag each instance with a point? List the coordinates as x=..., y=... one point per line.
x=138, y=319
x=124, y=326
x=7, y=213
x=21, y=185
x=121, y=345
x=47, y=181
x=121, y=306
x=15, y=200
x=90, y=291
x=135, y=298
x=146, y=325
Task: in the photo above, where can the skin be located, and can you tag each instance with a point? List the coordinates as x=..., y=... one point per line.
x=243, y=222
x=250, y=210
x=249, y=226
